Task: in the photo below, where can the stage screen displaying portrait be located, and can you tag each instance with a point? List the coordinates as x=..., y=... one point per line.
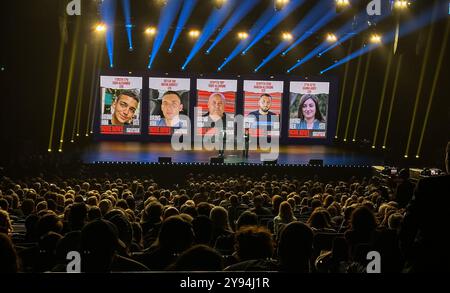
x=168, y=105
x=121, y=99
x=308, y=109
x=216, y=106
x=262, y=107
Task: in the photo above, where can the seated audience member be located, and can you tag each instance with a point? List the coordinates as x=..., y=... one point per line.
x=254, y=250
x=175, y=236
x=99, y=245
x=198, y=258
x=285, y=216
x=425, y=228
x=295, y=248
x=9, y=261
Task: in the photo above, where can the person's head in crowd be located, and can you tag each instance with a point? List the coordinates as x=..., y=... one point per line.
x=291, y=201
x=48, y=243
x=51, y=205
x=203, y=230
x=234, y=200
x=5, y=223
x=285, y=211
x=49, y=223
x=9, y=261
x=121, y=203
x=295, y=247
x=258, y=201
x=137, y=233
x=189, y=209
x=219, y=218
x=131, y=202
x=175, y=235
x=152, y=213
x=247, y=218
x=363, y=220
x=315, y=203
x=276, y=201
x=27, y=207
x=105, y=206
x=99, y=244
x=253, y=242
x=170, y=211
x=77, y=215
x=94, y=213
x=41, y=206
x=319, y=219
x=188, y=218
x=4, y=204
x=199, y=258
x=92, y=201
x=395, y=221
x=31, y=227
x=171, y=107
x=216, y=106
x=124, y=228
x=124, y=108
x=204, y=208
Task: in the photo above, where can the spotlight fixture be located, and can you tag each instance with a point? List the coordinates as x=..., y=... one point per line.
x=331, y=38
x=151, y=31
x=375, y=38
x=219, y=3
x=286, y=36
x=100, y=28
x=342, y=5
x=279, y=4
x=401, y=5
x=194, y=34
x=162, y=2
x=242, y=35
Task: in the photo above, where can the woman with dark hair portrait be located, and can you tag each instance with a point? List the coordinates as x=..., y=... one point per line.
x=309, y=112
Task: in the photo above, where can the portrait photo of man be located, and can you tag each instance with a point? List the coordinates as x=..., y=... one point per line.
x=171, y=106
x=124, y=107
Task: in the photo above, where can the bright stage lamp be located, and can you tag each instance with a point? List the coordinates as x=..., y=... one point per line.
x=194, y=34
x=375, y=39
x=101, y=27
x=286, y=36
x=331, y=38
x=242, y=35
x=401, y=4
x=151, y=31
x=280, y=4
x=342, y=4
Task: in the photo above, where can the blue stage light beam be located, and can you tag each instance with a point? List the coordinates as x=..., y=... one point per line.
x=244, y=8
x=214, y=21
x=262, y=20
x=186, y=11
x=269, y=26
x=318, y=25
x=309, y=56
x=348, y=29
x=108, y=14
x=407, y=28
x=128, y=25
x=304, y=28
x=347, y=32
x=168, y=15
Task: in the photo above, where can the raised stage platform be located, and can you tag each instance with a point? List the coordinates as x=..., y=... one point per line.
x=138, y=152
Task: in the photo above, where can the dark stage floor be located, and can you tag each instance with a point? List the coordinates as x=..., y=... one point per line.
x=150, y=152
